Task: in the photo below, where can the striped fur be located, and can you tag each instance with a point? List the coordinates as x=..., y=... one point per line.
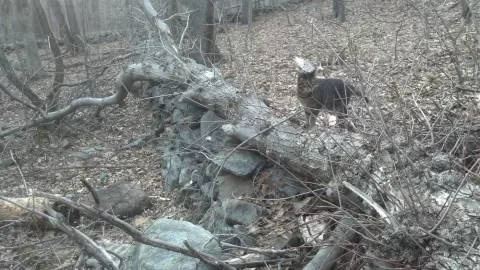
x=323, y=93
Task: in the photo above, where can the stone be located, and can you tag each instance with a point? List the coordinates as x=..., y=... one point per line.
x=123, y=250
x=185, y=175
x=86, y=153
x=231, y=186
x=175, y=232
x=441, y=162
x=137, y=143
x=4, y=163
x=172, y=164
x=240, y=212
x=209, y=122
x=285, y=182
x=122, y=199
x=239, y=163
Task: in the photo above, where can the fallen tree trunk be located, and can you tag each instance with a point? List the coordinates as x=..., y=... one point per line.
x=13, y=213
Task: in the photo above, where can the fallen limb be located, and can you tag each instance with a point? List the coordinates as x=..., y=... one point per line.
x=343, y=235
x=136, y=235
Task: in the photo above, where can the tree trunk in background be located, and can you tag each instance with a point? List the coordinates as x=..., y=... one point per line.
x=339, y=10
x=212, y=52
x=37, y=27
x=246, y=11
x=466, y=12
x=52, y=97
x=56, y=8
x=3, y=25
x=95, y=15
x=41, y=20
x=7, y=19
x=25, y=22
x=201, y=31
x=79, y=46
x=175, y=22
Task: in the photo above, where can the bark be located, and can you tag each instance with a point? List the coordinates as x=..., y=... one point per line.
x=175, y=22
x=246, y=11
x=23, y=88
x=40, y=20
x=4, y=31
x=56, y=8
x=343, y=236
x=95, y=15
x=79, y=46
x=12, y=212
x=339, y=10
x=52, y=97
x=25, y=22
x=201, y=32
x=466, y=11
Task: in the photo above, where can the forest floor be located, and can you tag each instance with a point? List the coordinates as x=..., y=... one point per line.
x=403, y=60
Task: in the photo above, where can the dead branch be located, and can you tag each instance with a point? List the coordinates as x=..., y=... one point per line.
x=130, y=230
x=342, y=236
x=26, y=104
x=22, y=87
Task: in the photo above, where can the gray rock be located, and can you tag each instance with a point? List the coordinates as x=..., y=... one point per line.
x=140, y=142
x=189, y=137
x=441, y=162
x=212, y=170
x=218, y=141
x=173, y=163
x=111, y=37
x=240, y=212
x=16, y=65
x=188, y=109
x=185, y=175
x=210, y=192
x=174, y=232
x=66, y=143
x=123, y=250
x=14, y=141
x=214, y=221
x=240, y=163
x=449, y=178
x=86, y=153
x=171, y=167
x=285, y=182
x=122, y=199
x=210, y=122
x=4, y=163
x=231, y=186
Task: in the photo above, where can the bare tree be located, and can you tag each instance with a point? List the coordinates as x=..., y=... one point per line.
x=52, y=97
x=246, y=11
x=201, y=31
x=56, y=8
x=466, y=10
x=95, y=15
x=25, y=20
x=3, y=23
x=339, y=10
x=74, y=28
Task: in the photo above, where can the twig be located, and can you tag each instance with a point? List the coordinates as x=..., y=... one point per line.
x=12, y=155
x=459, y=88
x=92, y=191
x=26, y=104
x=444, y=214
